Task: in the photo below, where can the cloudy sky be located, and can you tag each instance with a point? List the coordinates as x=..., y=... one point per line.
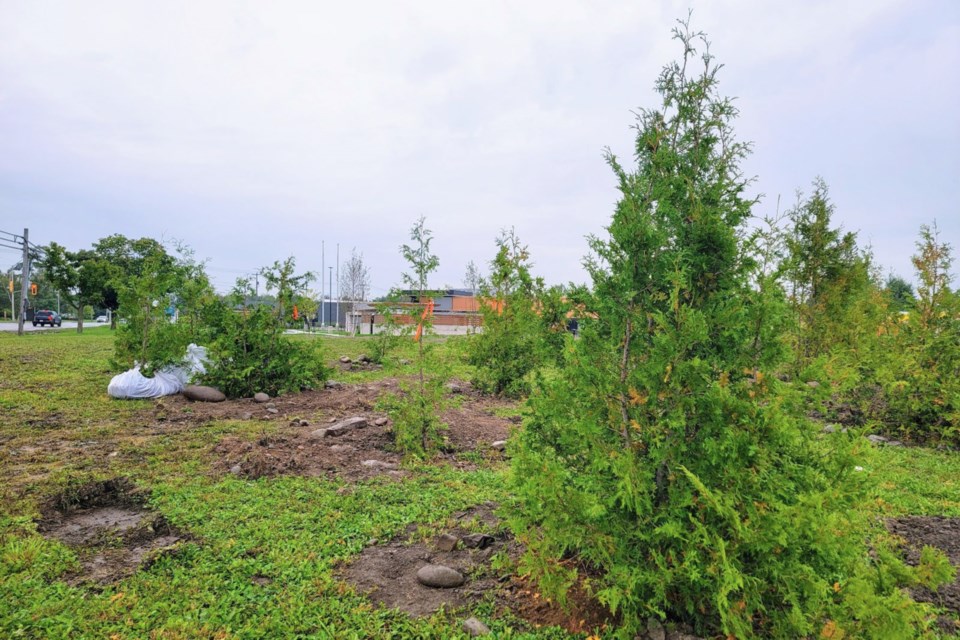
x=253, y=131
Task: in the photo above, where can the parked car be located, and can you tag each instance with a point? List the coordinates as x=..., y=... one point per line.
x=45, y=316
x=101, y=319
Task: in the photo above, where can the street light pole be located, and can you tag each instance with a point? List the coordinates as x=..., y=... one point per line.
x=331, y=289
x=24, y=281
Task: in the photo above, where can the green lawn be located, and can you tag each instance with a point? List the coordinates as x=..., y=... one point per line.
x=290, y=529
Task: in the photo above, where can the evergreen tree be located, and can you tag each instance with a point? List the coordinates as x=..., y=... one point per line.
x=662, y=467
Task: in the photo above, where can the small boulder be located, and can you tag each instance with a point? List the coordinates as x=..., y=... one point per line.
x=447, y=542
x=813, y=384
x=875, y=439
x=261, y=397
x=499, y=445
x=201, y=393
x=380, y=422
x=343, y=426
x=453, y=387
x=345, y=359
x=236, y=469
x=404, y=362
x=319, y=434
x=246, y=415
x=273, y=410
x=332, y=384
x=655, y=630
x=439, y=577
x=364, y=358
x=475, y=628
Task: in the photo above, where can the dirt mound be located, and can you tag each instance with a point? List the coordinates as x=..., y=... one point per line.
x=348, y=455
x=353, y=454
x=388, y=573
x=937, y=531
x=109, y=527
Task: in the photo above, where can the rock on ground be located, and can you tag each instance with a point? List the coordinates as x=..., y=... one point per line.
x=439, y=576
x=261, y=397
x=475, y=628
x=201, y=393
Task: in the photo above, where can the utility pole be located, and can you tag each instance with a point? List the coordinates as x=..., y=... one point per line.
x=24, y=281
x=338, y=285
x=331, y=288
x=322, y=303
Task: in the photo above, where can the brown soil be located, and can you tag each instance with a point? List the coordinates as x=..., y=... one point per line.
x=387, y=572
x=109, y=527
x=937, y=531
x=473, y=426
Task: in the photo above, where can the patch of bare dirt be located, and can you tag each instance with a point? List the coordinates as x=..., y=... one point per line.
x=937, y=531
x=355, y=454
x=387, y=572
x=110, y=528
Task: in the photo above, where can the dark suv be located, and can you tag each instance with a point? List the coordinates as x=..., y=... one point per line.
x=45, y=316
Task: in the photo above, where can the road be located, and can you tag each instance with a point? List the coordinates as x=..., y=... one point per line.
x=67, y=324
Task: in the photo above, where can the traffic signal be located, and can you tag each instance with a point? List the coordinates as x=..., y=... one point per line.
x=33, y=288
x=11, y=286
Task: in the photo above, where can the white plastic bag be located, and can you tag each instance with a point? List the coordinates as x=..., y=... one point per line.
x=133, y=384
x=165, y=382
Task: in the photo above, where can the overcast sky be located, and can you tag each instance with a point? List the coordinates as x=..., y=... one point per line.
x=253, y=131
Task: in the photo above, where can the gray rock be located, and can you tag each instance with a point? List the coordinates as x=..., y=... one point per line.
x=273, y=410
x=447, y=542
x=813, y=384
x=236, y=469
x=200, y=393
x=343, y=426
x=830, y=428
x=246, y=415
x=453, y=387
x=475, y=628
x=439, y=577
x=380, y=422
x=894, y=443
x=499, y=445
x=271, y=405
x=261, y=397
x=332, y=384
x=378, y=464
x=477, y=541
x=874, y=438
x=655, y=630
x=364, y=358
x=304, y=423
x=404, y=362
x=345, y=360
x=319, y=434
x=341, y=448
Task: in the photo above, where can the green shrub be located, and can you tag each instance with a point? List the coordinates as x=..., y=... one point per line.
x=665, y=466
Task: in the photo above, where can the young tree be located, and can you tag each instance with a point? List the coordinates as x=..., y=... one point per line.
x=830, y=284
x=662, y=460
x=920, y=374
x=511, y=343
x=354, y=280
x=472, y=278
x=416, y=423
x=281, y=277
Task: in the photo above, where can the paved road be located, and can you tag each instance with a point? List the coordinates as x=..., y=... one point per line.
x=67, y=324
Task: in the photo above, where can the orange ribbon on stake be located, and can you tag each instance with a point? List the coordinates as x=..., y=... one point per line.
x=427, y=312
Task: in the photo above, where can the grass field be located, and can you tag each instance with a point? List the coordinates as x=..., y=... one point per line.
x=258, y=558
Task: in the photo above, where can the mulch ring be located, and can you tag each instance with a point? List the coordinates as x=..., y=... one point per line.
x=941, y=532
x=299, y=447
x=111, y=529
x=387, y=572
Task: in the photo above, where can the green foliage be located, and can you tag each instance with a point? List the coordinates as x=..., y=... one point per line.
x=900, y=294
x=417, y=425
x=79, y=276
x=149, y=335
x=281, y=277
x=920, y=353
x=833, y=295
x=250, y=354
x=391, y=333
x=510, y=345
x=665, y=460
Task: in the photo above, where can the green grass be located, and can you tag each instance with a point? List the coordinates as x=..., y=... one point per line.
x=290, y=529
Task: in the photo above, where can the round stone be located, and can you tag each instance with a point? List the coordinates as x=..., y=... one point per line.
x=439, y=576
